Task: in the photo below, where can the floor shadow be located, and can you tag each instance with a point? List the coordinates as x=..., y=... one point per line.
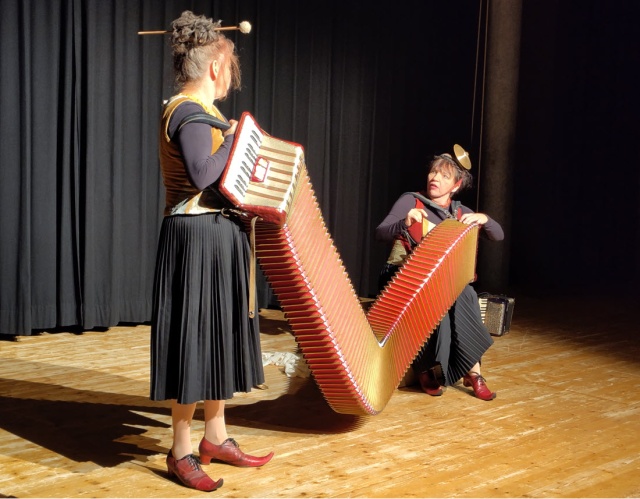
x=608, y=323
x=272, y=323
x=303, y=409
x=81, y=425
x=109, y=428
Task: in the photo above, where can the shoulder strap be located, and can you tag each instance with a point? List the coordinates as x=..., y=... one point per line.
x=427, y=202
x=204, y=118
x=419, y=196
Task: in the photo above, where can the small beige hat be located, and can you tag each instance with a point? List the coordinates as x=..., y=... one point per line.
x=462, y=157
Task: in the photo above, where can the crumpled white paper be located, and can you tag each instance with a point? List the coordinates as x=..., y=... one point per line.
x=294, y=365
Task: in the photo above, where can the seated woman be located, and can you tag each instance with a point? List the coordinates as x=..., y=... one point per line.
x=455, y=348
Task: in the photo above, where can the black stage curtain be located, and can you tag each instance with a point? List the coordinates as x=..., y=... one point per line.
x=577, y=190
x=371, y=91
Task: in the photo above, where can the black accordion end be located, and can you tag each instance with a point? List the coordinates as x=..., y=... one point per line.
x=496, y=312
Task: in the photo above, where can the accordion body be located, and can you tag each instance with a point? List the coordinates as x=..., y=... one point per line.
x=496, y=312
x=357, y=358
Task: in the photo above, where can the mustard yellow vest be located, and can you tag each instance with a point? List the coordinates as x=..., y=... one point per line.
x=182, y=198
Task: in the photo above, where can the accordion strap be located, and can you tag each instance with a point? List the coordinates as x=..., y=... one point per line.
x=204, y=118
x=425, y=200
x=252, y=269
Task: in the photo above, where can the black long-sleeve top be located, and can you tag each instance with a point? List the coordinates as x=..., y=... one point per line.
x=194, y=139
x=393, y=225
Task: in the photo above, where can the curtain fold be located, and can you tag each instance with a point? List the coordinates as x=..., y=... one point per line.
x=39, y=247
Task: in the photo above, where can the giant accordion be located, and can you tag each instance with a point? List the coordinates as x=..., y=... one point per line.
x=357, y=359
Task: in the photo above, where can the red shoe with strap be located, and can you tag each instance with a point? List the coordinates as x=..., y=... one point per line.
x=190, y=473
x=229, y=452
x=479, y=385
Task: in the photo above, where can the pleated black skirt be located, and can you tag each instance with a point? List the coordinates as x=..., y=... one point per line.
x=204, y=345
x=459, y=341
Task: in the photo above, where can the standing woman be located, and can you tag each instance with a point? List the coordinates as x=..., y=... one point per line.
x=205, y=342
x=456, y=347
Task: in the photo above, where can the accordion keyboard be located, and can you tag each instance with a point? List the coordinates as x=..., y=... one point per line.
x=244, y=157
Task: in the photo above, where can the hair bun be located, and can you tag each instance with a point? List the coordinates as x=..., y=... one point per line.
x=191, y=31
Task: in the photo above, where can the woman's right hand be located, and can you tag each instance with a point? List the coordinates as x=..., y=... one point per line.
x=232, y=128
x=415, y=215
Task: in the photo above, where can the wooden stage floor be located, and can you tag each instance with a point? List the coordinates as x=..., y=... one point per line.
x=76, y=421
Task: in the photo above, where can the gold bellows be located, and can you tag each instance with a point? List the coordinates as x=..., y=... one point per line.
x=357, y=359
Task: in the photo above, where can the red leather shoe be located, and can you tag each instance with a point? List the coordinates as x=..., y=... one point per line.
x=429, y=386
x=479, y=385
x=229, y=452
x=190, y=473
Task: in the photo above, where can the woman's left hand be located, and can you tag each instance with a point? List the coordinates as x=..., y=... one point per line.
x=474, y=218
x=232, y=128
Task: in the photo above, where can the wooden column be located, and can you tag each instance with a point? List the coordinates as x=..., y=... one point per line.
x=497, y=148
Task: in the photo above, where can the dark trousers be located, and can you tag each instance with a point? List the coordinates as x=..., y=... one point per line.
x=459, y=341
